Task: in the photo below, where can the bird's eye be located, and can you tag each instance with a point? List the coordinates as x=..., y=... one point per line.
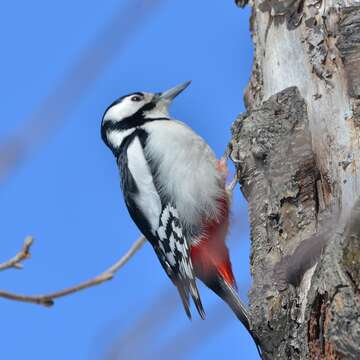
x=136, y=98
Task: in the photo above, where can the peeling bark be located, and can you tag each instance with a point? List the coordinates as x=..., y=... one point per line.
x=297, y=152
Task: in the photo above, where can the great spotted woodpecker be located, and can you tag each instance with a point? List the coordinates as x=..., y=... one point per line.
x=175, y=191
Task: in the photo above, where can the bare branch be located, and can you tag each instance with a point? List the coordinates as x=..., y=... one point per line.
x=48, y=299
x=24, y=254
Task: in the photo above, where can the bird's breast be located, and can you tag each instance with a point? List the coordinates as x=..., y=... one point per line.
x=186, y=172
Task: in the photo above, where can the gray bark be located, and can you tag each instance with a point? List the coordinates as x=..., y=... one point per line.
x=297, y=154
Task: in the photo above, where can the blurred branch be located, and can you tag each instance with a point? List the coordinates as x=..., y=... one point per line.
x=135, y=339
x=48, y=299
x=66, y=95
x=185, y=341
x=24, y=254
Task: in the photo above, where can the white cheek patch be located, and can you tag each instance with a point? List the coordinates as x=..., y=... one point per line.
x=124, y=109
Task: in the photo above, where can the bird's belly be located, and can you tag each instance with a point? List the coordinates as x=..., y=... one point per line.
x=186, y=171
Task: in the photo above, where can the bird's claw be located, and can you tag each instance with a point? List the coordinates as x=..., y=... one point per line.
x=231, y=186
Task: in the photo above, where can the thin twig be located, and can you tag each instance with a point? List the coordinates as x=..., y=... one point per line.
x=48, y=299
x=24, y=254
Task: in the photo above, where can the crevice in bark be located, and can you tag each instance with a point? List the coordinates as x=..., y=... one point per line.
x=278, y=176
x=298, y=159
x=316, y=325
x=348, y=43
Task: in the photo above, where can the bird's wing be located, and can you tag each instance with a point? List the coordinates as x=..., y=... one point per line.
x=174, y=249
x=157, y=218
x=140, y=194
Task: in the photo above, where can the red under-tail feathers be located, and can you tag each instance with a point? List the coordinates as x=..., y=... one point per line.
x=211, y=261
x=210, y=255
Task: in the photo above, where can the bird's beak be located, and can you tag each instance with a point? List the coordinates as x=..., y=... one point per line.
x=169, y=95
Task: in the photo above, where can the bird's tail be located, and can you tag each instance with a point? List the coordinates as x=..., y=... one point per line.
x=229, y=294
x=216, y=273
x=185, y=290
x=231, y=297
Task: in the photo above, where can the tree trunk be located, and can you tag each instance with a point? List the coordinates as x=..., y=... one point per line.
x=297, y=153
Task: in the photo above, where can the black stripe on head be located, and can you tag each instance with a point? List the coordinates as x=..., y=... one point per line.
x=131, y=122
x=109, y=125
x=137, y=119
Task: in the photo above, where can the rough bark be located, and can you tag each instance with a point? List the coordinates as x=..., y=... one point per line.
x=297, y=153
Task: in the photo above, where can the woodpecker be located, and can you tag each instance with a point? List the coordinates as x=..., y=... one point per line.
x=175, y=192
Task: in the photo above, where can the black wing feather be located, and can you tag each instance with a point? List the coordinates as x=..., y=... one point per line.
x=169, y=241
x=175, y=250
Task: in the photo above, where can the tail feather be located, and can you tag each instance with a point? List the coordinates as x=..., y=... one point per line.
x=227, y=291
x=231, y=297
x=197, y=300
x=184, y=295
x=189, y=288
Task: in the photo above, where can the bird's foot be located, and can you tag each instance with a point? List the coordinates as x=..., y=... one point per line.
x=222, y=167
x=231, y=186
x=224, y=171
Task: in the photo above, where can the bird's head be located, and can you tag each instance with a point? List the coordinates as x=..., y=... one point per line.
x=133, y=110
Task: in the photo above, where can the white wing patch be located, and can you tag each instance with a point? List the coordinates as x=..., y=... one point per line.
x=170, y=255
x=147, y=199
x=175, y=253
x=173, y=243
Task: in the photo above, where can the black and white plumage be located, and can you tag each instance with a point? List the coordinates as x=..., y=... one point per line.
x=174, y=189
x=174, y=251
x=137, y=128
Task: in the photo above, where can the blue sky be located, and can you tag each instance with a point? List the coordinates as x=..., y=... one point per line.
x=67, y=192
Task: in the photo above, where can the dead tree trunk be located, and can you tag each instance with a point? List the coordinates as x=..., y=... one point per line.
x=297, y=153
